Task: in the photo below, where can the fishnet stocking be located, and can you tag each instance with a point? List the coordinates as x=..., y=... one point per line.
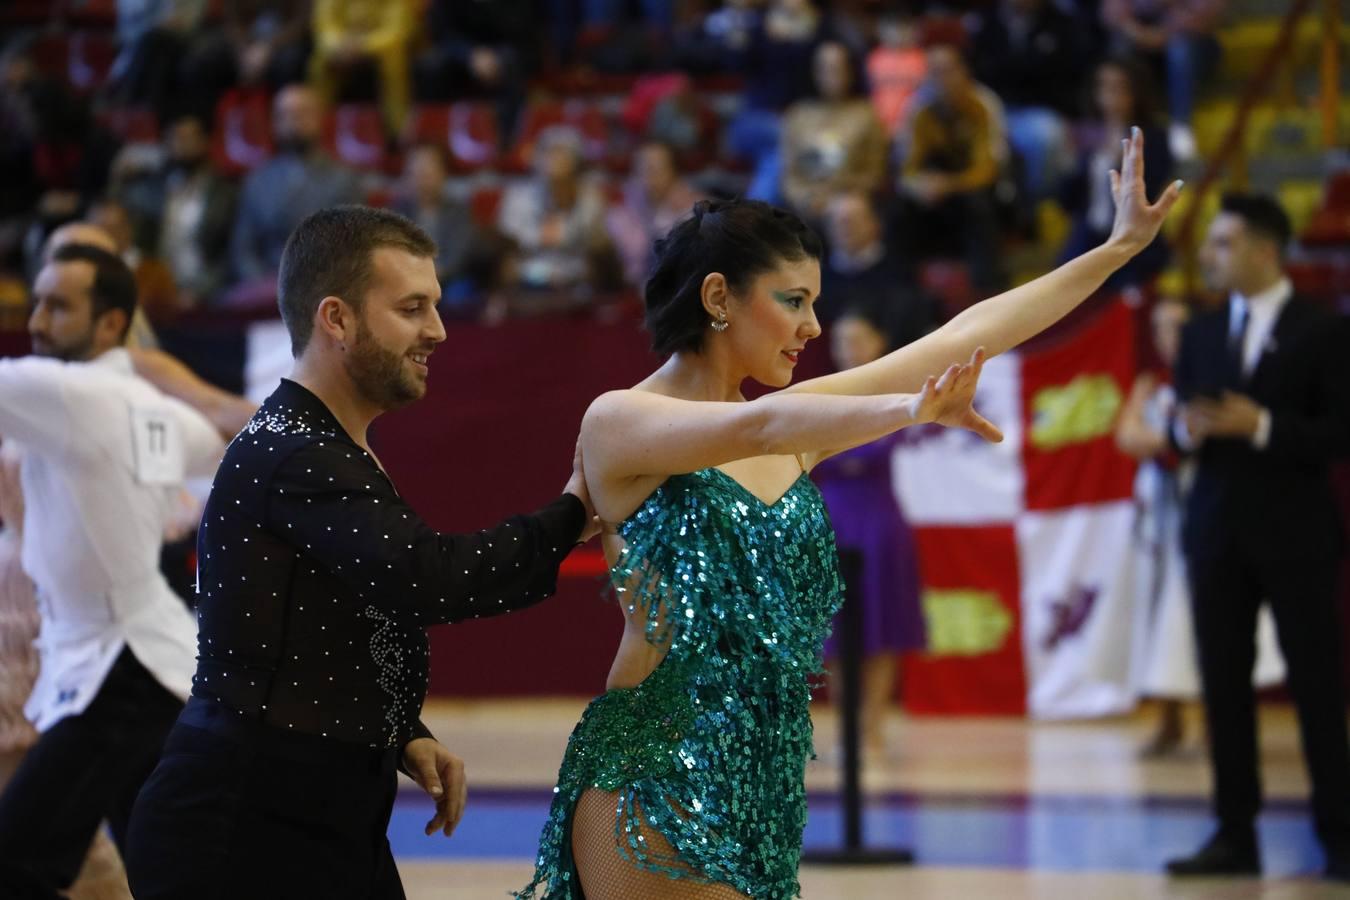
x=605, y=875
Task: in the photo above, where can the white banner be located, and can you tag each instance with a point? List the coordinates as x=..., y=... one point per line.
x=947, y=476
x=1077, y=606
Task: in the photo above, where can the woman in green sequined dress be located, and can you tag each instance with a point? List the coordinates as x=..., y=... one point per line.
x=685, y=778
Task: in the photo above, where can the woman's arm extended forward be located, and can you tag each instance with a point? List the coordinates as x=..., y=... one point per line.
x=632, y=434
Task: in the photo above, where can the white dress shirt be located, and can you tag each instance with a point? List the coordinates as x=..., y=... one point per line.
x=1263, y=311
x=104, y=455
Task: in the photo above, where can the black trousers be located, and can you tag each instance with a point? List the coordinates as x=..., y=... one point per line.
x=1227, y=590
x=240, y=809
x=82, y=770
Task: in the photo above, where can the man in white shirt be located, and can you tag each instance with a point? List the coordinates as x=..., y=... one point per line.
x=103, y=456
x=1264, y=382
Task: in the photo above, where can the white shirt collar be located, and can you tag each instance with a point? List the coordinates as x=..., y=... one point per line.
x=1267, y=301
x=116, y=359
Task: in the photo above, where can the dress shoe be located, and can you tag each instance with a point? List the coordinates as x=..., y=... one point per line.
x=1225, y=854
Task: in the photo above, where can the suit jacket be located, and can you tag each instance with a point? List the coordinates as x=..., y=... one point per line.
x=1276, y=501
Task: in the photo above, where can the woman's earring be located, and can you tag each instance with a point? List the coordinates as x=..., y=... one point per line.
x=720, y=324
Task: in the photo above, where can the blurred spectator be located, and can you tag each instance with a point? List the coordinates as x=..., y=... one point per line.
x=949, y=171
x=269, y=40
x=1122, y=96
x=56, y=157
x=421, y=197
x=557, y=217
x=667, y=108
x=776, y=60
x=1163, y=652
x=353, y=35
x=862, y=272
x=895, y=69
x=834, y=141
x=182, y=210
x=654, y=200
x=860, y=497
x=166, y=54
x=478, y=50
x=155, y=289
x=702, y=37
x=1178, y=38
x=299, y=180
x=262, y=43
x=491, y=271
x=1029, y=53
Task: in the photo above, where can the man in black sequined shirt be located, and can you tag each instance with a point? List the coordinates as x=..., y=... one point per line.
x=316, y=585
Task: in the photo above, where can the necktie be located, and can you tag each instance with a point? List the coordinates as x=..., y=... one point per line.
x=1237, y=340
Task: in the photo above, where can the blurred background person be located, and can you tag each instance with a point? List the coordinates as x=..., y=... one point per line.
x=421, y=196
x=1029, y=53
x=298, y=180
x=867, y=519
x=479, y=50
x=776, y=61
x=832, y=141
x=896, y=68
x=1265, y=395
x=370, y=35
x=862, y=270
x=558, y=218
x=1122, y=97
x=1177, y=37
x=655, y=198
x=951, y=152
x=1164, y=657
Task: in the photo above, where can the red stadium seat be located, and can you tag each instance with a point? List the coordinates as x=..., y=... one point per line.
x=429, y=123
x=243, y=133
x=356, y=136
x=1330, y=225
x=471, y=135
x=484, y=204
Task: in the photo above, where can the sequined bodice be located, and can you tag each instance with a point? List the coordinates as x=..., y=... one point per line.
x=712, y=745
x=718, y=570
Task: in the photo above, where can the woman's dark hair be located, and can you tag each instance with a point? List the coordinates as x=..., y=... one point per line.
x=1143, y=89
x=741, y=239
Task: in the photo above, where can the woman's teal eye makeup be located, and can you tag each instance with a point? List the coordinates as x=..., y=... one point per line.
x=791, y=301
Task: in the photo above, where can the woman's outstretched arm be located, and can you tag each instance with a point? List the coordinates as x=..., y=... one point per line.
x=1002, y=322
x=632, y=434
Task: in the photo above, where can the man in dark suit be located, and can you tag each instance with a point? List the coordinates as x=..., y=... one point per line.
x=1265, y=407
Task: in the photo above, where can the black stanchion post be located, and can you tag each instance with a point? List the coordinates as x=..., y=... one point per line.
x=850, y=674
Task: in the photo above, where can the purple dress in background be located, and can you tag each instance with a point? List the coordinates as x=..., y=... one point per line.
x=866, y=516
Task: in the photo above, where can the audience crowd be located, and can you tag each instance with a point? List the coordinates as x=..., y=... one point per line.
x=545, y=161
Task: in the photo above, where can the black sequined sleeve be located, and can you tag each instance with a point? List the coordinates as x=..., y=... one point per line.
x=338, y=508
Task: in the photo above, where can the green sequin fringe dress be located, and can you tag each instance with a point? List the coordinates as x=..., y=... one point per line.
x=711, y=748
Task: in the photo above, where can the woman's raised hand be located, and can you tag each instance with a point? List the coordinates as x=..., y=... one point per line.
x=949, y=400
x=1137, y=221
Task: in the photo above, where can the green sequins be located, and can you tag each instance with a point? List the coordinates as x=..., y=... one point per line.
x=711, y=748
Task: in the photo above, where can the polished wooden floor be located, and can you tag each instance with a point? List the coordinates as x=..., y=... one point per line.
x=982, y=768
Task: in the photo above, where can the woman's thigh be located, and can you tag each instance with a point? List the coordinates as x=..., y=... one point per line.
x=606, y=875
